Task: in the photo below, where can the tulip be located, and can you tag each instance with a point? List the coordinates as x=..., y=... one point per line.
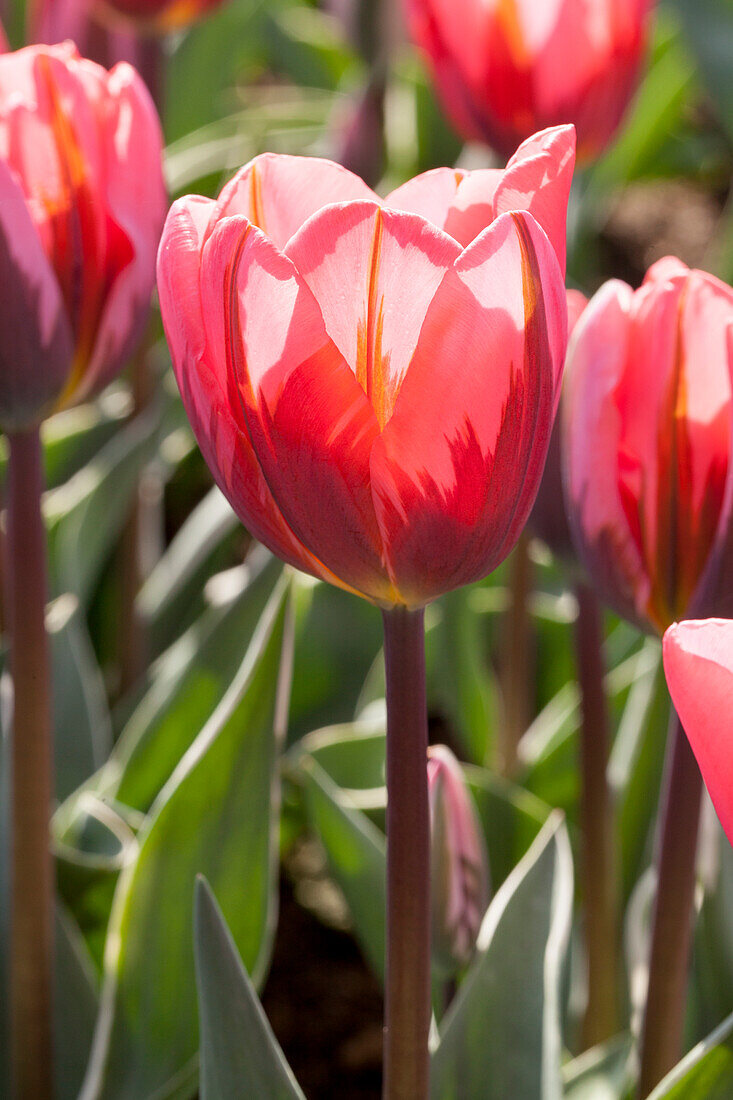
x=396, y=382
x=459, y=864
x=374, y=395
x=647, y=420
x=505, y=68
x=647, y=416
x=698, y=664
x=82, y=204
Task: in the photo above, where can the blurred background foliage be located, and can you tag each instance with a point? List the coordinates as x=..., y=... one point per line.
x=168, y=767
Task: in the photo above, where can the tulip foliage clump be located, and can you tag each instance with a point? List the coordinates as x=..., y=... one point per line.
x=366, y=550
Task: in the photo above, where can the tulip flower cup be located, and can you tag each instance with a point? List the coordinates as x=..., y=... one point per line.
x=505, y=68
x=81, y=205
x=648, y=424
x=373, y=384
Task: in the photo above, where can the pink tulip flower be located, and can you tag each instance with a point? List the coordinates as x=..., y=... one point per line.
x=647, y=421
x=459, y=864
x=698, y=663
x=82, y=202
x=374, y=398
x=505, y=68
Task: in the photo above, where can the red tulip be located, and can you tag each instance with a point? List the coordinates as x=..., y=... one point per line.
x=81, y=206
x=374, y=400
x=505, y=68
x=458, y=860
x=698, y=663
x=647, y=422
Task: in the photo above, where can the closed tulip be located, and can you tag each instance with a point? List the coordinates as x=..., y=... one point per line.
x=647, y=421
x=374, y=398
x=458, y=860
x=82, y=202
x=698, y=664
x=505, y=68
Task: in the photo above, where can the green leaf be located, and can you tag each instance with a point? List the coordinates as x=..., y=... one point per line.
x=75, y=1007
x=337, y=639
x=636, y=762
x=83, y=526
x=356, y=852
x=172, y=595
x=706, y=1073
x=501, y=1035
x=713, y=951
x=239, y=1054
x=655, y=112
x=599, y=1073
x=82, y=727
x=217, y=816
x=71, y=438
x=463, y=683
x=187, y=683
x=708, y=27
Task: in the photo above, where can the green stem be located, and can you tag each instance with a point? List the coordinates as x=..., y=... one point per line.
x=407, y=995
x=32, y=876
x=672, y=926
x=598, y=868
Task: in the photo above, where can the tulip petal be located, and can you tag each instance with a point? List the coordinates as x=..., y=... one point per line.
x=37, y=346
x=538, y=178
x=373, y=273
x=278, y=193
x=309, y=421
x=136, y=200
x=592, y=426
x=461, y=203
x=456, y=469
x=217, y=422
x=698, y=664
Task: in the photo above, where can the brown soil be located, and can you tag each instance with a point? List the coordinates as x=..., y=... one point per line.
x=325, y=1006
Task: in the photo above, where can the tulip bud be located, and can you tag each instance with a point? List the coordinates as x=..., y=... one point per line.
x=505, y=68
x=458, y=863
x=82, y=202
x=647, y=417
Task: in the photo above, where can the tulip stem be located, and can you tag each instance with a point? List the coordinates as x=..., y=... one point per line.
x=599, y=875
x=672, y=926
x=32, y=876
x=407, y=995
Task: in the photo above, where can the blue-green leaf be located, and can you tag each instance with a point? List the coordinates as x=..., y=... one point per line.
x=239, y=1055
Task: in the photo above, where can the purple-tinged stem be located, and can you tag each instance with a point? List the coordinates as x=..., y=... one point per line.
x=407, y=995
x=664, y=1017
x=599, y=865
x=31, y=874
